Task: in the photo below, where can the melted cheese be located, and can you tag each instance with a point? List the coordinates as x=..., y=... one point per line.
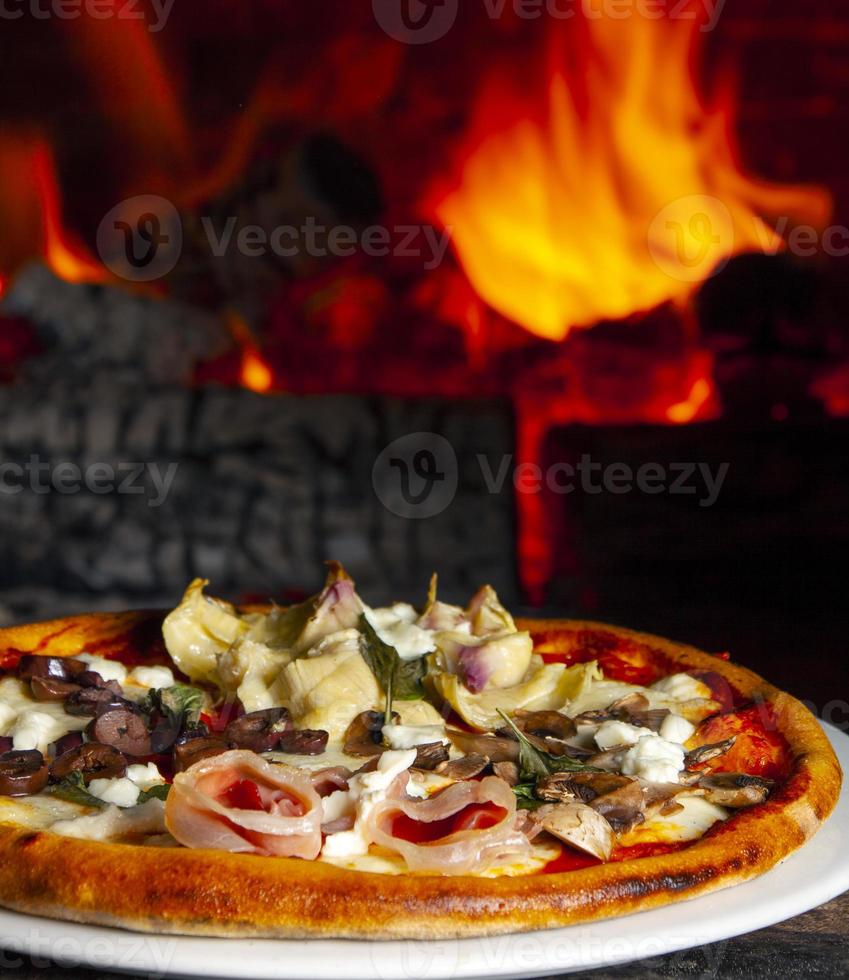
x=696, y=818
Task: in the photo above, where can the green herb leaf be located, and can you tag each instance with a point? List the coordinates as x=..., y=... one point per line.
x=73, y=789
x=181, y=703
x=400, y=679
x=535, y=763
x=526, y=798
x=159, y=792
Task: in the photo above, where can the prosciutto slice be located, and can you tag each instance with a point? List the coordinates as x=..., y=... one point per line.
x=484, y=837
x=239, y=802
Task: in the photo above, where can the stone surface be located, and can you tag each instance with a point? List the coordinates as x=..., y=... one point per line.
x=265, y=488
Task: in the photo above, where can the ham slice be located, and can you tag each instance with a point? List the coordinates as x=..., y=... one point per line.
x=479, y=845
x=239, y=802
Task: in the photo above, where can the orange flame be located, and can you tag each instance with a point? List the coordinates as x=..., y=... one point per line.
x=31, y=214
x=622, y=194
x=255, y=373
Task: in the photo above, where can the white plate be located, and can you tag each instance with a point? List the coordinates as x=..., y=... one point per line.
x=814, y=875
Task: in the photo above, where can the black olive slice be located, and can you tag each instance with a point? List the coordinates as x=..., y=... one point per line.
x=22, y=773
x=60, y=668
x=93, y=760
x=259, y=731
x=52, y=689
x=124, y=729
x=187, y=753
x=91, y=701
x=307, y=741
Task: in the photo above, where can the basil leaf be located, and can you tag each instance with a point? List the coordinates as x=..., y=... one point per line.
x=535, y=763
x=400, y=679
x=159, y=792
x=181, y=703
x=73, y=789
x=526, y=798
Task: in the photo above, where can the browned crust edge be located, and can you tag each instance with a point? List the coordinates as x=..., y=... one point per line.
x=219, y=894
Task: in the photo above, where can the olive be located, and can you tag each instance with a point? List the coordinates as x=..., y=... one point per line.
x=92, y=760
x=304, y=742
x=187, y=753
x=259, y=731
x=6, y=744
x=67, y=742
x=22, y=773
x=164, y=734
x=60, y=668
x=91, y=678
x=52, y=689
x=91, y=701
x=364, y=736
x=124, y=729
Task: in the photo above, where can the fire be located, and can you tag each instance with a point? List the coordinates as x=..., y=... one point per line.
x=255, y=373
x=700, y=394
x=31, y=213
x=612, y=190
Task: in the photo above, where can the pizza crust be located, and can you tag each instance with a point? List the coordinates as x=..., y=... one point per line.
x=212, y=893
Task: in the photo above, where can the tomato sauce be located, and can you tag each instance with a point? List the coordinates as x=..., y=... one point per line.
x=620, y=658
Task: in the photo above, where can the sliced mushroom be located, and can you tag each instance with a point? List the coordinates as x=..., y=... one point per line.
x=124, y=729
x=495, y=747
x=704, y=753
x=508, y=771
x=579, y=826
x=22, y=773
x=623, y=808
x=306, y=741
x=259, y=731
x=430, y=755
x=364, y=736
x=93, y=760
x=52, y=689
x=623, y=709
x=651, y=719
x=631, y=704
x=468, y=767
x=609, y=759
x=545, y=724
x=735, y=789
x=187, y=753
x=583, y=786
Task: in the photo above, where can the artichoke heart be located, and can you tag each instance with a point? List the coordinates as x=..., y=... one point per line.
x=546, y=687
x=199, y=631
x=329, y=686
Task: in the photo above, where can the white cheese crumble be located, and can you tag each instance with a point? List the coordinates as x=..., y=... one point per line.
x=36, y=730
x=396, y=625
x=653, y=759
x=409, y=736
x=7, y=715
x=153, y=677
x=145, y=777
x=612, y=733
x=109, y=670
x=674, y=728
x=364, y=792
x=122, y=792
x=682, y=687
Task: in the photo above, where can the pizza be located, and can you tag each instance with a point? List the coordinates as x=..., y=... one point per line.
x=329, y=769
